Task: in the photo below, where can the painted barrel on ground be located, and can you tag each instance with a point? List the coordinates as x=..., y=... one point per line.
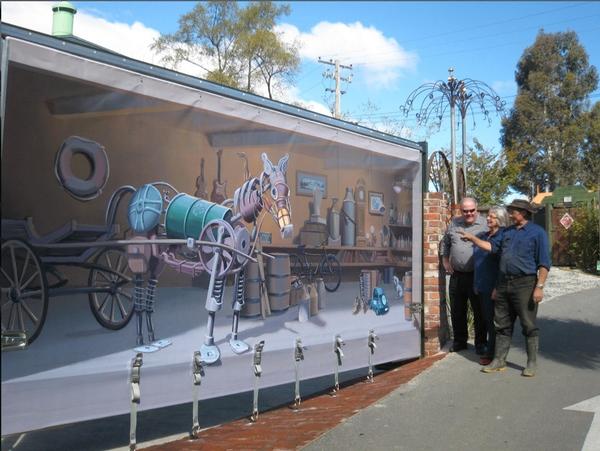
x=187, y=215
x=251, y=305
x=407, y=283
x=278, y=281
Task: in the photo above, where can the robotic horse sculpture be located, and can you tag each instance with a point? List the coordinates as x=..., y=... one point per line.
x=218, y=243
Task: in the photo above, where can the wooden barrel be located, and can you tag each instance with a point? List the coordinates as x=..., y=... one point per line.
x=407, y=283
x=251, y=305
x=278, y=281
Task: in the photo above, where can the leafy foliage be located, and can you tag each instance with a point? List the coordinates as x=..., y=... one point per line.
x=489, y=174
x=585, y=243
x=234, y=46
x=545, y=131
x=590, y=152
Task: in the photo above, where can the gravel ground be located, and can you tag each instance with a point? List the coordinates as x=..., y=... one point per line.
x=563, y=281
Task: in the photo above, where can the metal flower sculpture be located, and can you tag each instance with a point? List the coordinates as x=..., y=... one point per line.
x=465, y=95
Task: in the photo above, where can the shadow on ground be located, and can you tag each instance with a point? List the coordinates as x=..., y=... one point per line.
x=568, y=341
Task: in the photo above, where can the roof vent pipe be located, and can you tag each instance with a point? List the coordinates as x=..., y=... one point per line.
x=62, y=21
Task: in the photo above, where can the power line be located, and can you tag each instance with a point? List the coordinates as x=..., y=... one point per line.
x=504, y=44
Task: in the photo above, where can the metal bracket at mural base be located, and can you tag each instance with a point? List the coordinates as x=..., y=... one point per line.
x=371, y=350
x=136, y=366
x=298, y=357
x=338, y=356
x=256, y=367
x=197, y=373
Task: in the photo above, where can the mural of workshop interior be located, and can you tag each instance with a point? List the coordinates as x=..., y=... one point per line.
x=148, y=211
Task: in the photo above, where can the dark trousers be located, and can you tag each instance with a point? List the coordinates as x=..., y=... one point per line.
x=461, y=292
x=515, y=298
x=487, y=310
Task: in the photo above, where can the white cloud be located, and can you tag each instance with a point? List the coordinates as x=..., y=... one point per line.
x=379, y=59
x=131, y=40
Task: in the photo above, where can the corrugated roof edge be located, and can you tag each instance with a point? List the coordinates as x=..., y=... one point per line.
x=100, y=54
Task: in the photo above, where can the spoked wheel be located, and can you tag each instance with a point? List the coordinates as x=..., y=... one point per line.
x=24, y=290
x=296, y=266
x=208, y=254
x=112, y=305
x=331, y=271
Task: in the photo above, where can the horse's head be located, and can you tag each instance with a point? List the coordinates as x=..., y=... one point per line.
x=277, y=200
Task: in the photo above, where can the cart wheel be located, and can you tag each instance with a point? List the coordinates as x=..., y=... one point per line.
x=297, y=266
x=112, y=304
x=210, y=233
x=24, y=290
x=331, y=272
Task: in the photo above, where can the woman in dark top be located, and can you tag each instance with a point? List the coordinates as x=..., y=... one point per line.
x=486, y=273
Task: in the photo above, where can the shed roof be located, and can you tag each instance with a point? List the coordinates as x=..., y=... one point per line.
x=81, y=47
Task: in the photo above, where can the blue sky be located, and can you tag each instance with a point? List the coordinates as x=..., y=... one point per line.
x=394, y=47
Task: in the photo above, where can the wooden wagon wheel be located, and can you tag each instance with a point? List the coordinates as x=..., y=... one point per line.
x=440, y=175
x=24, y=290
x=439, y=172
x=113, y=306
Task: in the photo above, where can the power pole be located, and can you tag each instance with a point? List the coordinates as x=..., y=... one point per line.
x=337, y=77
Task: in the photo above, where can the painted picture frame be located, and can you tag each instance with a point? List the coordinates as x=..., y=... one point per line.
x=376, y=205
x=306, y=182
x=266, y=237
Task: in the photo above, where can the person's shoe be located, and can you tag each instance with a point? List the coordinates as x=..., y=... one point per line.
x=499, y=363
x=457, y=347
x=532, y=344
x=480, y=349
x=495, y=366
x=485, y=360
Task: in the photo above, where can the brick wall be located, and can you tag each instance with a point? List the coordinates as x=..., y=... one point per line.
x=435, y=217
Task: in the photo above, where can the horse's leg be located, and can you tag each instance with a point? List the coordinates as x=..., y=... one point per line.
x=238, y=346
x=209, y=351
x=150, y=296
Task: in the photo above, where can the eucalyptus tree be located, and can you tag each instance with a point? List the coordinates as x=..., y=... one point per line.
x=546, y=129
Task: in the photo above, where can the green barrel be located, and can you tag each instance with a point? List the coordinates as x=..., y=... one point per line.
x=187, y=215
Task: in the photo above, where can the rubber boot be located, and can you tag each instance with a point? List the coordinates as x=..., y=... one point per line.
x=499, y=362
x=532, y=344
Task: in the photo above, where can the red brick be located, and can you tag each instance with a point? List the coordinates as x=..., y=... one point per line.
x=316, y=415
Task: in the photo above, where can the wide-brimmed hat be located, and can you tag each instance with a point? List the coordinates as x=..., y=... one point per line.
x=522, y=204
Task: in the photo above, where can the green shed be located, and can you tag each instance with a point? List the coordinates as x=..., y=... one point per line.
x=561, y=211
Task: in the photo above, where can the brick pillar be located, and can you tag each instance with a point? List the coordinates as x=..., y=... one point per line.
x=435, y=217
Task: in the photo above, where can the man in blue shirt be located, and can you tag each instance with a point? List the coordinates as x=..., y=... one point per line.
x=524, y=266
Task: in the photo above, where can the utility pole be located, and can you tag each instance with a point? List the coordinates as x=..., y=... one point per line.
x=337, y=77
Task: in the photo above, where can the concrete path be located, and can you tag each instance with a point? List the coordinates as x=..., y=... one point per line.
x=453, y=406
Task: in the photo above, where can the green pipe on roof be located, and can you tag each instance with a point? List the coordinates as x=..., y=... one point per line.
x=62, y=21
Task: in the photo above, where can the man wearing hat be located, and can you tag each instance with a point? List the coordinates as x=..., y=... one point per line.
x=524, y=266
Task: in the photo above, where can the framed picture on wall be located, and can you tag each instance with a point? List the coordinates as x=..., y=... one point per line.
x=266, y=237
x=376, y=205
x=306, y=183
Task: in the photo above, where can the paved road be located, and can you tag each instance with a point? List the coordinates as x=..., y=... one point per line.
x=453, y=406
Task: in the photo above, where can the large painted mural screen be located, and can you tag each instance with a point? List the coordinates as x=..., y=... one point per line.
x=133, y=223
